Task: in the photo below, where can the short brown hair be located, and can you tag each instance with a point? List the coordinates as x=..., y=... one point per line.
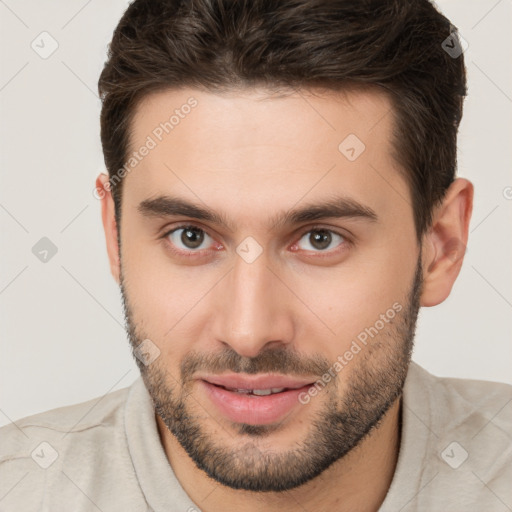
x=219, y=45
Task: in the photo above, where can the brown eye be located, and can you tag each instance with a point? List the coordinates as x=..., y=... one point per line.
x=320, y=240
x=187, y=237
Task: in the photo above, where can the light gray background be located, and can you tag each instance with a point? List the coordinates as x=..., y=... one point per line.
x=62, y=335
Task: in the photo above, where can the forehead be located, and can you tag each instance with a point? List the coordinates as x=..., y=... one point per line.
x=259, y=116
x=254, y=146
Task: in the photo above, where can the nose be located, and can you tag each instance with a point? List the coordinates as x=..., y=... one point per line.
x=253, y=308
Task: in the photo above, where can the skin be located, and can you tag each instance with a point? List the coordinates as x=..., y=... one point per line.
x=250, y=155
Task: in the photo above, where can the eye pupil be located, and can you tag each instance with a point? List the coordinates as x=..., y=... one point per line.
x=320, y=239
x=192, y=237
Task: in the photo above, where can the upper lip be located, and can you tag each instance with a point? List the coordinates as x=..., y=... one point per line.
x=262, y=381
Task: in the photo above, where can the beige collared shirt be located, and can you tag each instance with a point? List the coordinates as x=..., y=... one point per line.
x=105, y=454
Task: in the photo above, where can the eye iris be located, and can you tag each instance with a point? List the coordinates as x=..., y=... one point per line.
x=320, y=239
x=192, y=237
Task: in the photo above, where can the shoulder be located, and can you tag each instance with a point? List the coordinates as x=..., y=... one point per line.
x=45, y=457
x=42, y=437
x=476, y=400
x=455, y=445
x=74, y=418
x=459, y=431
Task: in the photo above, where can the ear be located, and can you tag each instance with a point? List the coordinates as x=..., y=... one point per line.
x=104, y=193
x=444, y=245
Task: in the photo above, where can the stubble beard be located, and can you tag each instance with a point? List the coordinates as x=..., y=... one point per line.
x=376, y=381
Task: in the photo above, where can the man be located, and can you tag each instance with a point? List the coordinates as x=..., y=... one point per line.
x=281, y=201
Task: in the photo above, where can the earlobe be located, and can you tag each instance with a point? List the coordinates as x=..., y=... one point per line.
x=445, y=243
x=104, y=193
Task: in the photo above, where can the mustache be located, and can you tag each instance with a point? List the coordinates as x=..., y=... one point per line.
x=273, y=360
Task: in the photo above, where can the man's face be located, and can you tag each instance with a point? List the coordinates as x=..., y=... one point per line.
x=267, y=300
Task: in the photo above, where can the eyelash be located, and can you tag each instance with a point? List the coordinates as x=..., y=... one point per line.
x=199, y=254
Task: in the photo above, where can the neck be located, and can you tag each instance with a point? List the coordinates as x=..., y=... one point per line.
x=357, y=481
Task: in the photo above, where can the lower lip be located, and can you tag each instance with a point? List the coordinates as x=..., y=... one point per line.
x=251, y=409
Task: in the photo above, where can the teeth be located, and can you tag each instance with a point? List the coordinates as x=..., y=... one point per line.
x=257, y=392
x=261, y=392
x=243, y=391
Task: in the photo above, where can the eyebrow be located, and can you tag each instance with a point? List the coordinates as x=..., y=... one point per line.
x=337, y=207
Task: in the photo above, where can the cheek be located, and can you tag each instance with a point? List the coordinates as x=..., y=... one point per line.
x=155, y=296
x=352, y=298
x=167, y=301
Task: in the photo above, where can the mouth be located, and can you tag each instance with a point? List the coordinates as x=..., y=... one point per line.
x=256, y=392
x=254, y=400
